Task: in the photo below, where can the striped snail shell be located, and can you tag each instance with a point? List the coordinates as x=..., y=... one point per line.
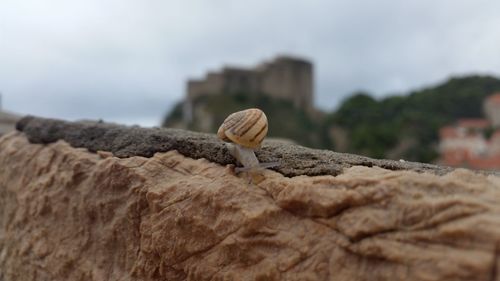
x=247, y=128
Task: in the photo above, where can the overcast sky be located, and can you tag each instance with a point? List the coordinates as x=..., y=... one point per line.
x=127, y=61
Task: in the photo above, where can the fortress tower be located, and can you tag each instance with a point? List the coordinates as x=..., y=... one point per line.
x=285, y=77
x=288, y=78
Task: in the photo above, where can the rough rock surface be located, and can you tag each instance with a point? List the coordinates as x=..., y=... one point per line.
x=125, y=141
x=69, y=214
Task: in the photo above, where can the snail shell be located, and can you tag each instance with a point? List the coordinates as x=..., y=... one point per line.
x=247, y=128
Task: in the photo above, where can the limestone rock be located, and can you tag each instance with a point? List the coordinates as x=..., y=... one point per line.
x=70, y=214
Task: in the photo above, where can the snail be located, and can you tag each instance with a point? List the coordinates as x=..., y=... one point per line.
x=243, y=132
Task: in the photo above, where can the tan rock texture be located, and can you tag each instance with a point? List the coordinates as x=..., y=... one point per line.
x=70, y=214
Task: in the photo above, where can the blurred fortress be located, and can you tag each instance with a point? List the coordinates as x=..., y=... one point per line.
x=8, y=120
x=473, y=143
x=285, y=77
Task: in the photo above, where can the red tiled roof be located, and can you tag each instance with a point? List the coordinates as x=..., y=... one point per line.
x=473, y=123
x=448, y=132
x=494, y=98
x=487, y=163
x=462, y=158
x=454, y=158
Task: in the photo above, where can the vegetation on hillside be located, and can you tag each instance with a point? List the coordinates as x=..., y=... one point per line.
x=285, y=120
x=408, y=124
x=377, y=126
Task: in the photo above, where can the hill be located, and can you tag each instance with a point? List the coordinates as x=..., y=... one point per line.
x=408, y=125
x=404, y=126
x=285, y=120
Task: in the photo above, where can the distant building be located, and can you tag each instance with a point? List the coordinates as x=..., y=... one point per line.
x=285, y=77
x=491, y=109
x=473, y=143
x=7, y=121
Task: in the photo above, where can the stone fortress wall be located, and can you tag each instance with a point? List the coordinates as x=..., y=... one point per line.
x=285, y=77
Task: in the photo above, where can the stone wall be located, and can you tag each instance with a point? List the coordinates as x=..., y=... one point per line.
x=290, y=79
x=95, y=201
x=7, y=121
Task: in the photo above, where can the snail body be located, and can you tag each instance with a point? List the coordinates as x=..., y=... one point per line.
x=244, y=132
x=245, y=156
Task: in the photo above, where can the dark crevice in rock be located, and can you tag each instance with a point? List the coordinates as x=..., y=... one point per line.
x=127, y=141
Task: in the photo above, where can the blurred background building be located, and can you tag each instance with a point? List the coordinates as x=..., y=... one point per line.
x=284, y=78
x=473, y=143
x=7, y=120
